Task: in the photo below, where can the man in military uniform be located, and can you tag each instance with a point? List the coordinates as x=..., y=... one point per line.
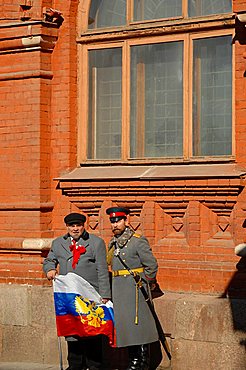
x=85, y=255
x=129, y=253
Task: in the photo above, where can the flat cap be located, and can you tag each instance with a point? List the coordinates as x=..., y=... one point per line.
x=117, y=213
x=74, y=218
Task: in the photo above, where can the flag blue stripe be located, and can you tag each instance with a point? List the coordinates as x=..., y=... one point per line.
x=65, y=305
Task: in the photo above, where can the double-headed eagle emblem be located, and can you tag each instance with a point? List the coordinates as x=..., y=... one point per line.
x=89, y=312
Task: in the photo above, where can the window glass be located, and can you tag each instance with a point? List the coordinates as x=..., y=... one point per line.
x=207, y=7
x=175, y=100
x=107, y=13
x=157, y=100
x=147, y=10
x=105, y=85
x=212, y=96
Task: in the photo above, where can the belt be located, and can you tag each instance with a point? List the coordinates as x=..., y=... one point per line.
x=126, y=272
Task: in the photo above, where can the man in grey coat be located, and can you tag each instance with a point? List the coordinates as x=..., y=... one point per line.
x=85, y=255
x=135, y=325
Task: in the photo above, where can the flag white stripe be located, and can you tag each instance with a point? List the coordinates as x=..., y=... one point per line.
x=73, y=283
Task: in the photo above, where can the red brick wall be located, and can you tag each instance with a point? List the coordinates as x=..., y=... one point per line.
x=193, y=237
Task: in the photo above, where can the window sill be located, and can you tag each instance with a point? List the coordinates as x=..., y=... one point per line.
x=154, y=172
x=159, y=28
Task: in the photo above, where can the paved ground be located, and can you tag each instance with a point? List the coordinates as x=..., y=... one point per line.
x=27, y=366
x=31, y=366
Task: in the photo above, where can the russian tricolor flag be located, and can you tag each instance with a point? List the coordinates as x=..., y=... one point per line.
x=79, y=311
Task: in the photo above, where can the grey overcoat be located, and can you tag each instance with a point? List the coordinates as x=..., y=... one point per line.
x=135, y=253
x=92, y=265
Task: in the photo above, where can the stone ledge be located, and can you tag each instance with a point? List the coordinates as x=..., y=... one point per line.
x=37, y=244
x=171, y=172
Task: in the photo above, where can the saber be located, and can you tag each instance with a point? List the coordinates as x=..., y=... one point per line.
x=138, y=281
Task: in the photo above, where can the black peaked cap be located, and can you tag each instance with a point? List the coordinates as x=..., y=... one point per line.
x=74, y=218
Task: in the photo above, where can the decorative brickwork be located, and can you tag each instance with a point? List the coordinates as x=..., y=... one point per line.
x=192, y=211
x=193, y=215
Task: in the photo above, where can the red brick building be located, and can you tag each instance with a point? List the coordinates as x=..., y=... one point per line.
x=129, y=103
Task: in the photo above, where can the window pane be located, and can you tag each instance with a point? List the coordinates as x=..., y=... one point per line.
x=105, y=81
x=147, y=10
x=107, y=13
x=212, y=99
x=206, y=7
x=157, y=100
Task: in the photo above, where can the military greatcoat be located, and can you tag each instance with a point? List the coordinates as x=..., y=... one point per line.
x=92, y=265
x=136, y=253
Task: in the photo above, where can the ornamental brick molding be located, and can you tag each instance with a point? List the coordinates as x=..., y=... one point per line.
x=189, y=213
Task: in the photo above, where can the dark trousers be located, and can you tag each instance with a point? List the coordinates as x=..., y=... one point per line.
x=85, y=353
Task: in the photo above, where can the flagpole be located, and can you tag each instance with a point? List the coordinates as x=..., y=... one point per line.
x=60, y=353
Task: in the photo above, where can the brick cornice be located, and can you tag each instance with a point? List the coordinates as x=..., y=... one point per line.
x=22, y=75
x=27, y=37
x=172, y=187
x=30, y=206
x=220, y=198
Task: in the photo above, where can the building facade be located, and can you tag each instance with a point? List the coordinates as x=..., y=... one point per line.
x=129, y=103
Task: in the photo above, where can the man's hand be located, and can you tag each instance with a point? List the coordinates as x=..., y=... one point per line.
x=105, y=300
x=51, y=274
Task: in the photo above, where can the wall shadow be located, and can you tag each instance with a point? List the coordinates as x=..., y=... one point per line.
x=240, y=32
x=236, y=293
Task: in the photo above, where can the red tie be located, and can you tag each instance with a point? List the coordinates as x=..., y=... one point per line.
x=77, y=251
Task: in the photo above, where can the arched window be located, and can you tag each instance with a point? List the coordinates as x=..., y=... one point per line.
x=107, y=13
x=208, y=7
x=157, y=77
x=148, y=10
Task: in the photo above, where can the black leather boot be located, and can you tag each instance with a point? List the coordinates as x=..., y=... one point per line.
x=135, y=358
x=144, y=357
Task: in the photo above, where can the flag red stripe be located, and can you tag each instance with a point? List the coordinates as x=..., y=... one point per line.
x=69, y=325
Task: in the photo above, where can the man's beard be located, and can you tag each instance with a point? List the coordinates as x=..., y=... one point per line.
x=118, y=232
